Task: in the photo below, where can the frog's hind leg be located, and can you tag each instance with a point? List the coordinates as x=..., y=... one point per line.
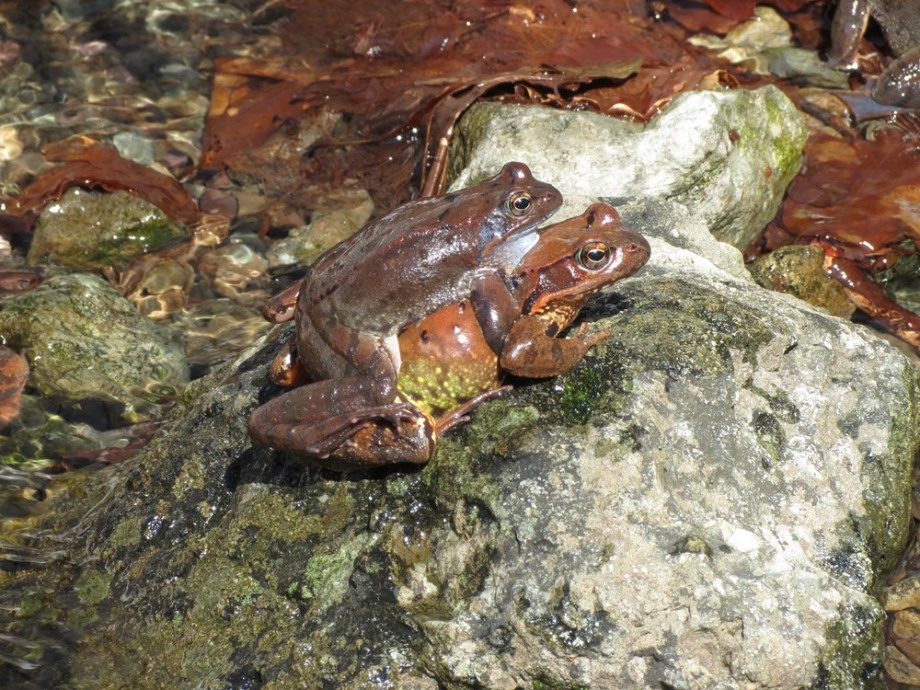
x=302, y=421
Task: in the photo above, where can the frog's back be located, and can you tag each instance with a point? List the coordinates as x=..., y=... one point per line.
x=426, y=253
x=389, y=261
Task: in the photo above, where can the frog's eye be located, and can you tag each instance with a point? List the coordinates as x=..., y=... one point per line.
x=519, y=203
x=593, y=256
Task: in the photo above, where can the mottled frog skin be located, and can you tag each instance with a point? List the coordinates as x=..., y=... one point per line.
x=362, y=292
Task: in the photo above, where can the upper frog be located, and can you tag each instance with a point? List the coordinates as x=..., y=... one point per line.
x=426, y=253
x=358, y=295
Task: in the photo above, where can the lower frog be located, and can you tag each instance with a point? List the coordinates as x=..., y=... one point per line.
x=457, y=357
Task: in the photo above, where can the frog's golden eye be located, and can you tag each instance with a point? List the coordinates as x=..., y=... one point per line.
x=519, y=203
x=593, y=256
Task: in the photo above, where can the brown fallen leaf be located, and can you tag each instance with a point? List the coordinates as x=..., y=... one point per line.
x=399, y=77
x=860, y=196
x=87, y=163
x=14, y=373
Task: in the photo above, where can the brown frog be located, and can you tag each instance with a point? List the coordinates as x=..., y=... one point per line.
x=450, y=363
x=358, y=295
x=899, y=84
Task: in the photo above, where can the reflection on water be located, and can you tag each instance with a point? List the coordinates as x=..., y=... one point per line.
x=31, y=644
x=36, y=644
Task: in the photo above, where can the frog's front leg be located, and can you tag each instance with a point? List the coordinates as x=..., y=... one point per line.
x=495, y=308
x=281, y=307
x=531, y=351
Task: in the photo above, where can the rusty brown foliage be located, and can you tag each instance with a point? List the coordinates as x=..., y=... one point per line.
x=14, y=373
x=88, y=163
x=404, y=72
x=858, y=196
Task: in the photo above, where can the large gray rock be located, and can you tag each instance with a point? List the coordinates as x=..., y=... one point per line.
x=707, y=501
x=723, y=158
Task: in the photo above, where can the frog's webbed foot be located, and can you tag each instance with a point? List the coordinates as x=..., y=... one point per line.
x=411, y=439
x=461, y=413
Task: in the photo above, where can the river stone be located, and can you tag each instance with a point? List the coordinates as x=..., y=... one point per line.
x=84, y=341
x=798, y=269
x=707, y=501
x=724, y=158
x=91, y=230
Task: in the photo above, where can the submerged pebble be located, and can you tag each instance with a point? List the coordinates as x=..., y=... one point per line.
x=91, y=230
x=85, y=342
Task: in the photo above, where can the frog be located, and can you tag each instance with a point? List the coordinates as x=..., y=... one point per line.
x=451, y=363
x=899, y=83
x=356, y=297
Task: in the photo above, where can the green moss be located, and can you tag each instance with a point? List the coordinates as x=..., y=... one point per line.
x=475, y=124
x=498, y=430
x=851, y=657
x=683, y=331
x=608, y=448
x=787, y=151
x=582, y=390
x=770, y=436
x=34, y=606
x=325, y=576
x=127, y=533
x=92, y=587
x=887, y=480
x=89, y=343
x=691, y=544
x=91, y=230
